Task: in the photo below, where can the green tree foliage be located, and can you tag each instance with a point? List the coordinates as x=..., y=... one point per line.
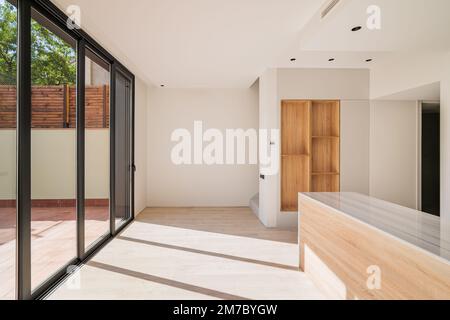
x=53, y=60
x=8, y=43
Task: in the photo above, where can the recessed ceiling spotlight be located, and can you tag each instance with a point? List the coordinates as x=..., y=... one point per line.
x=369, y=60
x=293, y=59
x=357, y=28
x=331, y=59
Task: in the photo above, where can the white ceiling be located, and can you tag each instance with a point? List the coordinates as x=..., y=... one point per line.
x=406, y=25
x=228, y=44
x=196, y=43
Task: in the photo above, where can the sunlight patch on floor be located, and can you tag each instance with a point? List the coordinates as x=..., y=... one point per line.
x=151, y=261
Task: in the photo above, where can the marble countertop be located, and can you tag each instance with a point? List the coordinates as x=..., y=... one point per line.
x=418, y=228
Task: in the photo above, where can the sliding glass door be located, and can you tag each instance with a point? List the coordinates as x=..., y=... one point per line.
x=8, y=147
x=123, y=168
x=66, y=145
x=96, y=148
x=53, y=149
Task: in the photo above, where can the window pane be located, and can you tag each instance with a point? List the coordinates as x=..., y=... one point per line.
x=123, y=167
x=8, y=63
x=53, y=150
x=96, y=148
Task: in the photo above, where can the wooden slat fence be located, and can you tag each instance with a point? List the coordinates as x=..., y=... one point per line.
x=50, y=108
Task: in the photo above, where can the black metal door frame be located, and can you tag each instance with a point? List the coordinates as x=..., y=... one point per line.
x=24, y=85
x=117, y=69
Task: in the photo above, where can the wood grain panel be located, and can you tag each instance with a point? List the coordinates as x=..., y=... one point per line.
x=295, y=177
x=325, y=146
x=296, y=148
x=325, y=156
x=325, y=183
x=49, y=108
x=336, y=251
x=295, y=127
x=8, y=106
x=325, y=118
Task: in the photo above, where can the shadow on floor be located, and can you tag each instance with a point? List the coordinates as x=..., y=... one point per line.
x=209, y=253
x=164, y=281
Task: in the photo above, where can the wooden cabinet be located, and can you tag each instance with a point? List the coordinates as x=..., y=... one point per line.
x=310, y=149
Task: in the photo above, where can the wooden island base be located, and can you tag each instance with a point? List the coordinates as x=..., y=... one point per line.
x=351, y=259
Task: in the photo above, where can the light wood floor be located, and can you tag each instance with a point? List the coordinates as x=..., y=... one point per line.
x=192, y=253
x=53, y=242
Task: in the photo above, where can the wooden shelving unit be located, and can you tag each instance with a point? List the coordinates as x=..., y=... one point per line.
x=295, y=151
x=310, y=149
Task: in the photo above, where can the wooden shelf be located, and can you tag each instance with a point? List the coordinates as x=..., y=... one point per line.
x=325, y=155
x=310, y=149
x=295, y=178
x=325, y=118
x=296, y=152
x=325, y=137
x=295, y=128
x=325, y=183
x=325, y=173
x=325, y=146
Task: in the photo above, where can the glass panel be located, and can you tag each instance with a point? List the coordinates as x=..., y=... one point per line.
x=123, y=168
x=53, y=150
x=96, y=148
x=8, y=107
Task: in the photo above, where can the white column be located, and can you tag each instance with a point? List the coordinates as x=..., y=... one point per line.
x=268, y=119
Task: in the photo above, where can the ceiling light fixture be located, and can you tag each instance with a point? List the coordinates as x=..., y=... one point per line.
x=357, y=28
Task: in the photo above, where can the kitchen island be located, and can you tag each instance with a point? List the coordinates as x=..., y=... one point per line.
x=357, y=247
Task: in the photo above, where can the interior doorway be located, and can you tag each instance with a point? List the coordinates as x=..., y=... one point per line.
x=430, y=158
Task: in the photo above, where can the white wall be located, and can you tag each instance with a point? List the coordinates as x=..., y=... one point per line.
x=341, y=84
x=411, y=71
x=198, y=185
x=140, y=148
x=407, y=71
x=8, y=164
x=387, y=169
x=97, y=164
x=54, y=165
x=394, y=151
x=355, y=140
